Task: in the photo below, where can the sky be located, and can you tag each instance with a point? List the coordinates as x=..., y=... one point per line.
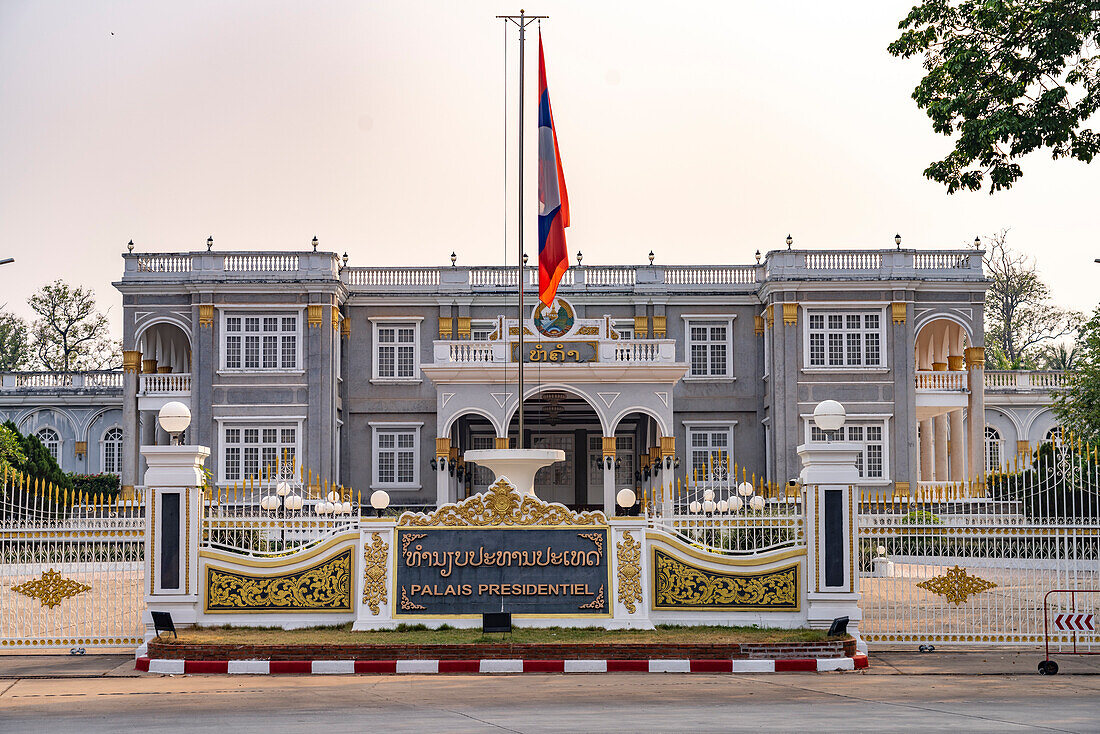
x=700, y=130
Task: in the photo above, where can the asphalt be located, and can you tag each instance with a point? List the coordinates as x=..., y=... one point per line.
x=981, y=690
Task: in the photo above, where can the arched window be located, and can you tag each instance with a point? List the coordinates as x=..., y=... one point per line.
x=1054, y=434
x=51, y=441
x=993, y=444
x=112, y=451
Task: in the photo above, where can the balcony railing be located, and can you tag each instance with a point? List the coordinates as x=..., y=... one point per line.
x=1024, y=380
x=61, y=381
x=633, y=351
x=941, y=381
x=175, y=383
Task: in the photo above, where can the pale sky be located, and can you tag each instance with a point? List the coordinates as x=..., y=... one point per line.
x=702, y=131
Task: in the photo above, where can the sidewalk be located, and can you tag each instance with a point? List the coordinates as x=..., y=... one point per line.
x=945, y=661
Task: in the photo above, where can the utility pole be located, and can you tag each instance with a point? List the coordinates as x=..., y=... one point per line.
x=521, y=21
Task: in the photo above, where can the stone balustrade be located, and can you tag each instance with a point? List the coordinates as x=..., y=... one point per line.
x=175, y=383
x=1024, y=380
x=623, y=351
x=94, y=380
x=941, y=380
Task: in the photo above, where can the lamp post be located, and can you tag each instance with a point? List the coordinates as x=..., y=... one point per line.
x=790, y=241
x=625, y=498
x=174, y=417
x=379, y=500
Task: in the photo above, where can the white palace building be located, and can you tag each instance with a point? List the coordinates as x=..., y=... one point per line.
x=380, y=378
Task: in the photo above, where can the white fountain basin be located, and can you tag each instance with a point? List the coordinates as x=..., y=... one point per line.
x=519, y=466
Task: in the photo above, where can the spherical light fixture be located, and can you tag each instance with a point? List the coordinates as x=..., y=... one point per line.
x=333, y=496
x=625, y=498
x=744, y=489
x=709, y=506
x=723, y=506
x=881, y=550
x=345, y=508
x=708, y=494
x=736, y=503
x=379, y=499
x=829, y=415
x=757, y=503
x=282, y=488
x=174, y=417
x=270, y=502
x=694, y=507
x=293, y=502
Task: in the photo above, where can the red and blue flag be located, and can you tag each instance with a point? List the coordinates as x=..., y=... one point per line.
x=553, y=199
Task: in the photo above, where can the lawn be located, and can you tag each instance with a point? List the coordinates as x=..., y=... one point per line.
x=418, y=635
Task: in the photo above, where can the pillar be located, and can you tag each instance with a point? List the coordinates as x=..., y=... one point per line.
x=939, y=425
x=958, y=446
x=975, y=410
x=832, y=579
x=668, y=474
x=609, y=476
x=131, y=432
x=926, y=450
x=442, y=475
x=173, y=524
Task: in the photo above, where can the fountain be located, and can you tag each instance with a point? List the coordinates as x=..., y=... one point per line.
x=518, y=465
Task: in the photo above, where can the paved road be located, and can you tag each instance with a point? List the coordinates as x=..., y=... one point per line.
x=552, y=703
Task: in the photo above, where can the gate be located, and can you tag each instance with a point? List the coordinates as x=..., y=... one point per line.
x=72, y=568
x=971, y=563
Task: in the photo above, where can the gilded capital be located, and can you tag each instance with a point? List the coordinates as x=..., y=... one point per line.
x=131, y=361
x=668, y=445
x=442, y=448
x=659, y=327
x=206, y=315
x=975, y=357
x=315, y=314
x=897, y=311
x=790, y=314
x=641, y=327
x=445, y=327
x=609, y=446
x=758, y=325
x=956, y=362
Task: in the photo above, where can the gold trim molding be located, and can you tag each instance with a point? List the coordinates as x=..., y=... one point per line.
x=131, y=361
x=975, y=357
x=323, y=587
x=206, y=314
x=956, y=362
x=678, y=585
x=769, y=315
x=790, y=314
x=641, y=327
x=501, y=505
x=314, y=314
x=659, y=327
x=758, y=325
x=897, y=312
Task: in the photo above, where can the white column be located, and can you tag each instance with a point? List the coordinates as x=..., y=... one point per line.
x=926, y=450
x=832, y=580
x=958, y=446
x=442, y=476
x=940, y=448
x=609, y=476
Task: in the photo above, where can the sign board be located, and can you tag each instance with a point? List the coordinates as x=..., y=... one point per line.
x=549, y=352
x=1075, y=622
x=459, y=571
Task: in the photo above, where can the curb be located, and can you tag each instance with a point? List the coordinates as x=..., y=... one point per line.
x=350, y=667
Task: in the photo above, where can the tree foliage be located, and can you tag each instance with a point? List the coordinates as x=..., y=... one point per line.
x=38, y=462
x=1005, y=78
x=15, y=352
x=1018, y=314
x=1078, y=406
x=69, y=333
x=11, y=449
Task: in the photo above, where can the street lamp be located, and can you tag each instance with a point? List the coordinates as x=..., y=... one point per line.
x=210, y=243
x=897, y=240
x=315, y=243
x=829, y=416
x=174, y=417
x=379, y=500
x=790, y=241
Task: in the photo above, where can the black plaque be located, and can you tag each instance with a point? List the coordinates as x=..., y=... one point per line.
x=469, y=571
x=170, y=540
x=834, y=537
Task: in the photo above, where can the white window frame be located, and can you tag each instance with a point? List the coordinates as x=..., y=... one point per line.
x=395, y=426
x=999, y=442
x=261, y=311
x=863, y=420
x=624, y=327
x=60, y=441
x=710, y=427
x=103, y=449
x=845, y=309
x=379, y=322
x=713, y=319
x=260, y=422
x=482, y=326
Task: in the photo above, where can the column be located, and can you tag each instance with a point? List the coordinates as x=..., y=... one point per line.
x=668, y=474
x=958, y=446
x=832, y=581
x=442, y=476
x=926, y=450
x=940, y=446
x=975, y=410
x=173, y=526
x=609, y=476
x=131, y=431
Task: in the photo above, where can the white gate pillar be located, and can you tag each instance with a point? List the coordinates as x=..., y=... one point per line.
x=174, y=488
x=829, y=477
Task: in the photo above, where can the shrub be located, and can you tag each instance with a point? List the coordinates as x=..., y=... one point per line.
x=38, y=462
x=96, y=485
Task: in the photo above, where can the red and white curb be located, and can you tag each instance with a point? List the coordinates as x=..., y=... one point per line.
x=345, y=667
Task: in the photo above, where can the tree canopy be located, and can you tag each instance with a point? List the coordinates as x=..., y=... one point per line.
x=15, y=350
x=69, y=333
x=1078, y=406
x=1005, y=78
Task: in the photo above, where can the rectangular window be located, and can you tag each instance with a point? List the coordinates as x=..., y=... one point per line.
x=261, y=342
x=625, y=329
x=710, y=454
x=395, y=460
x=708, y=349
x=844, y=339
x=870, y=461
x=248, y=450
x=395, y=355
x=481, y=331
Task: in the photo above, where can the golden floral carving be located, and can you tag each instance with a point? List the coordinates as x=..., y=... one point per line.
x=325, y=587
x=596, y=603
x=375, y=557
x=407, y=605
x=502, y=504
x=596, y=538
x=588, y=331
x=51, y=589
x=678, y=585
x=956, y=585
x=629, y=557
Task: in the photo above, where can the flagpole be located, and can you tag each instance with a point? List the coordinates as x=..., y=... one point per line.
x=522, y=21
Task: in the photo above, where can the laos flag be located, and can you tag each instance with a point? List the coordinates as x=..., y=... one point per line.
x=553, y=200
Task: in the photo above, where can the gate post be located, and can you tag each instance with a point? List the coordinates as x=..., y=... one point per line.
x=173, y=518
x=829, y=479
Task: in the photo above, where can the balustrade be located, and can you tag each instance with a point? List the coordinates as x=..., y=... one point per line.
x=177, y=383
x=261, y=262
x=933, y=380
